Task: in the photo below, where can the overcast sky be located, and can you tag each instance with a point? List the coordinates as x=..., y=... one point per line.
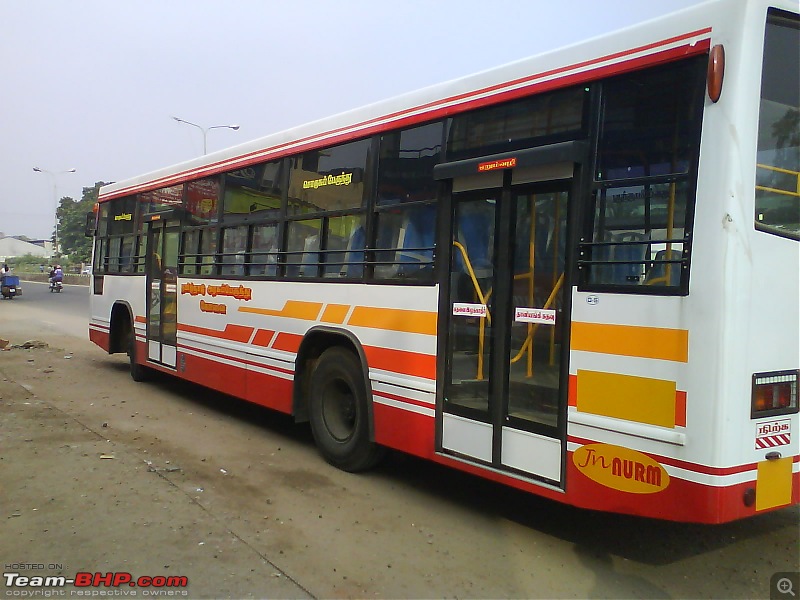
x=92, y=84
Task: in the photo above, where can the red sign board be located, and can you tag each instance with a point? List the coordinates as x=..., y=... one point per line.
x=493, y=165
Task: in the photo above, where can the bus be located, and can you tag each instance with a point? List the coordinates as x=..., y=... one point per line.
x=576, y=274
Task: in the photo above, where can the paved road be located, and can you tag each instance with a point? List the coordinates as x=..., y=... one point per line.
x=98, y=473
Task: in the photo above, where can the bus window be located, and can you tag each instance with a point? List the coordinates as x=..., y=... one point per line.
x=234, y=246
x=188, y=259
x=264, y=251
x=330, y=179
x=254, y=191
x=639, y=224
x=208, y=250
x=302, y=249
x=404, y=243
x=405, y=169
x=778, y=159
x=202, y=201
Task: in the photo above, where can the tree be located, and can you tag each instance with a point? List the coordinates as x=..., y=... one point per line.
x=72, y=224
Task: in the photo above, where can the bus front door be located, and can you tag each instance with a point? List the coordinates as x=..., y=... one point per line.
x=162, y=289
x=504, y=398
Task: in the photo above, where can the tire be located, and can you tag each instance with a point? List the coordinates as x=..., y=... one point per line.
x=339, y=413
x=138, y=372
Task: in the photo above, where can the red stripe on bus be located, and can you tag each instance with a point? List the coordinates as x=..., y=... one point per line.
x=288, y=342
x=680, y=409
x=404, y=400
x=263, y=337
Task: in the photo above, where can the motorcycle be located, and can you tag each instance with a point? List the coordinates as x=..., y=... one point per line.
x=56, y=286
x=9, y=286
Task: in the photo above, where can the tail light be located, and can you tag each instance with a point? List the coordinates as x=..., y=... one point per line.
x=774, y=394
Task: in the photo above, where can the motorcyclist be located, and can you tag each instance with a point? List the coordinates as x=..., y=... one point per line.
x=56, y=275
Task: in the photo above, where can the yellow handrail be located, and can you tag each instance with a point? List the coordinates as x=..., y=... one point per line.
x=483, y=299
x=764, y=188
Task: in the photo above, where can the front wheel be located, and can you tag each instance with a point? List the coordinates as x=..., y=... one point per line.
x=339, y=412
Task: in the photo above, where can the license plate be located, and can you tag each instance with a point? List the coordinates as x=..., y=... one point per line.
x=12, y=290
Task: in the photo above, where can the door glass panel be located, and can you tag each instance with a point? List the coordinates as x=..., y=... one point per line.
x=170, y=290
x=536, y=318
x=154, y=262
x=471, y=302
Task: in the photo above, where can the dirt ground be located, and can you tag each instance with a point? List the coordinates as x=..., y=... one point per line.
x=101, y=474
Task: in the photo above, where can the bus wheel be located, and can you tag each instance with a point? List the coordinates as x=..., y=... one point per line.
x=339, y=413
x=138, y=372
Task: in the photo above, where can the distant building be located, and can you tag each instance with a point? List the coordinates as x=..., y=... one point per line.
x=11, y=247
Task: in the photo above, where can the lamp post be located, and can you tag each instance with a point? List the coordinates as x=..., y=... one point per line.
x=53, y=176
x=205, y=130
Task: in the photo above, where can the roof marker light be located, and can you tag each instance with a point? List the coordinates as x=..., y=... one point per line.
x=716, y=72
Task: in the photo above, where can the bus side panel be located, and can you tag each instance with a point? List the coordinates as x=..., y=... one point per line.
x=269, y=390
x=211, y=372
x=403, y=430
x=100, y=336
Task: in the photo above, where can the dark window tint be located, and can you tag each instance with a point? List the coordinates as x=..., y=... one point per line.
x=121, y=215
x=651, y=121
x=330, y=179
x=255, y=191
x=514, y=124
x=405, y=169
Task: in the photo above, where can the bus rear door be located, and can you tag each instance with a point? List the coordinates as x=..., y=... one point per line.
x=162, y=289
x=506, y=321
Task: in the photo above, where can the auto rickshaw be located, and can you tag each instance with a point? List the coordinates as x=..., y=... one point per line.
x=9, y=287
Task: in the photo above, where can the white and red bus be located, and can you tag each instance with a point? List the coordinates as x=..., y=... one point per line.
x=576, y=274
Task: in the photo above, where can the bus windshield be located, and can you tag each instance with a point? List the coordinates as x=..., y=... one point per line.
x=778, y=161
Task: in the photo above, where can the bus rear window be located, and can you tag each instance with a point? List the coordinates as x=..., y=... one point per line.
x=778, y=159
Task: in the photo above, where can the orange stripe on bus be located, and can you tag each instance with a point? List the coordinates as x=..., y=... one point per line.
x=263, y=337
x=394, y=319
x=630, y=340
x=335, y=313
x=234, y=333
x=288, y=342
x=400, y=361
x=293, y=309
x=140, y=319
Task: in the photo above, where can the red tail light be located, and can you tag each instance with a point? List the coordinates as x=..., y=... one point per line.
x=774, y=394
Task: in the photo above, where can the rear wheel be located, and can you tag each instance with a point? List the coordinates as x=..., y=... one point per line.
x=339, y=412
x=139, y=372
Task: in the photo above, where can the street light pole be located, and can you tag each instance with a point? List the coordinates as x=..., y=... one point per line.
x=205, y=130
x=53, y=176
